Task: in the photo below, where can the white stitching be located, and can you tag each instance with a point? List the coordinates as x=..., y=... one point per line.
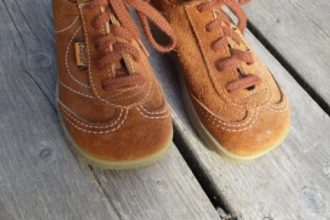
x=276, y=110
x=119, y=118
x=278, y=106
x=219, y=125
x=116, y=98
x=233, y=130
x=229, y=124
x=152, y=117
x=66, y=59
x=79, y=121
x=154, y=112
x=68, y=27
x=75, y=91
x=96, y=132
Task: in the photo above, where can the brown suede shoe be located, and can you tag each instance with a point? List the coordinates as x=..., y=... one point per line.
x=112, y=107
x=231, y=97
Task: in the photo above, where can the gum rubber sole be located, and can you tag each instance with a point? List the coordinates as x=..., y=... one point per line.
x=115, y=165
x=205, y=135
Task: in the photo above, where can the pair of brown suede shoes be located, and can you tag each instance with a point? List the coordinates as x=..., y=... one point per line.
x=111, y=105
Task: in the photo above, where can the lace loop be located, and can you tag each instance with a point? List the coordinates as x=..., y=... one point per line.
x=236, y=56
x=145, y=13
x=128, y=31
x=245, y=83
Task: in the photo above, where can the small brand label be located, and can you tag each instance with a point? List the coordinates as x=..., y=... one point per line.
x=242, y=39
x=81, y=58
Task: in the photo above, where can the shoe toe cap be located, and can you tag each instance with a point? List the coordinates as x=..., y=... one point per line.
x=262, y=134
x=136, y=138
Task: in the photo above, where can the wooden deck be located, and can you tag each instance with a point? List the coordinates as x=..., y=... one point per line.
x=41, y=179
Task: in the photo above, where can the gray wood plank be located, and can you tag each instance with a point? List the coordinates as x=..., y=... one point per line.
x=300, y=32
x=39, y=177
x=167, y=190
x=290, y=183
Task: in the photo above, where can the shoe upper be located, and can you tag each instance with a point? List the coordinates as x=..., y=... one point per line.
x=108, y=96
x=235, y=95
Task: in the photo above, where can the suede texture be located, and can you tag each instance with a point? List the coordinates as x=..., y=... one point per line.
x=125, y=124
x=246, y=122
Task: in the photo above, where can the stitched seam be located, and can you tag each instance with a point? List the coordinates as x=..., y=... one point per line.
x=96, y=132
x=119, y=119
x=146, y=98
x=229, y=124
x=116, y=98
x=250, y=122
x=66, y=60
x=152, y=117
x=282, y=105
x=142, y=108
x=75, y=91
x=232, y=130
x=68, y=27
x=276, y=110
x=82, y=121
x=237, y=129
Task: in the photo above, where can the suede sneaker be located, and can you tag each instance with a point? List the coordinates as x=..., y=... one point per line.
x=109, y=100
x=232, y=98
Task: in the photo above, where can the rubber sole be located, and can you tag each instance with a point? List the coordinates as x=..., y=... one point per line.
x=205, y=135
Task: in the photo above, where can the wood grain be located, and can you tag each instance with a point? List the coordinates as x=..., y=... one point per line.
x=290, y=183
x=39, y=176
x=299, y=30
x=167, y=190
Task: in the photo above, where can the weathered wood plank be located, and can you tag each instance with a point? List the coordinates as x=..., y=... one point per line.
x=167, y=190
x=290, y=183
x=299, y=30
x=39, y=177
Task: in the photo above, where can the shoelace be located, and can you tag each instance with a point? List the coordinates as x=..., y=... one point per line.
x=127, y=31
x=236, y=56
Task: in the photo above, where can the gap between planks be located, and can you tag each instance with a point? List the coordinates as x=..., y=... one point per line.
x=151, y=192
x=234, y=184
x=290, y=69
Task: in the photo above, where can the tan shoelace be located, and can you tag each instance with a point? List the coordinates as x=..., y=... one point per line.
x=127, y=31
x=236, y=56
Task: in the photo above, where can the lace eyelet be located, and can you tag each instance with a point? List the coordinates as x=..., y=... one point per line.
x=207, y=29
x=212, y=46
x=103, y=85
x=95, y=25
x=251, y=88
x=218, y=68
